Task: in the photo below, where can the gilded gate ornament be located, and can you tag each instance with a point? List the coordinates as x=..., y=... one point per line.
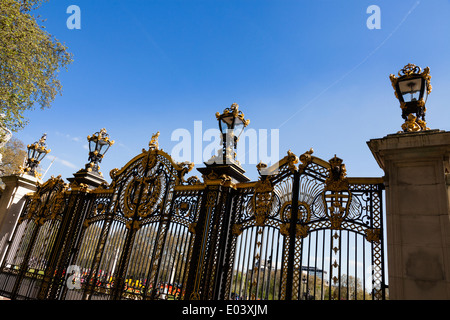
x=285, y=211
x=47, y=202
x=336, y=197
x=337, y=215
x=153, y=144
x=192, y=228
x=284, y=229
x=373, y=235
x=142, y=193
x=149, y=161
x=301, y=231
x=133, y=224
x=292, y=161
x=263, y=201
x=59, y=204
x=304, y=212
x=35, y=205
x=306, y=158
x=337, y=173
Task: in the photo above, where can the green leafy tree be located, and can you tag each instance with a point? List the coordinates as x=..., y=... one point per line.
x=30, y=59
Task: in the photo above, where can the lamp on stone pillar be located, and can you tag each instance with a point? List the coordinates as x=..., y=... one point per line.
x=99, y=144
x=36, y=152
x=412, y=87
x=231, y=125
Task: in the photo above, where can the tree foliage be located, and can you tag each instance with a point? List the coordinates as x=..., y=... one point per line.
x=14, y=153
x=30, y=59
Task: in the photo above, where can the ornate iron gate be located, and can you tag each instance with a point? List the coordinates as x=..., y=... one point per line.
x=293, y=231
x=302, y=231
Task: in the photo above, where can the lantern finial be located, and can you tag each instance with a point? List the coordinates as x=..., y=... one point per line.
x=99, y=143
x=36, y=152
x=231, y=124
x=412, y=87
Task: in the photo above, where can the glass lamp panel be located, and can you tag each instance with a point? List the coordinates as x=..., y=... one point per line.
x=226, y=123
x=92, y=145
x=38, y=155
x=103, y=148
x=102, y=142
x=30, y=153
x=238, y=127
x=410, y=89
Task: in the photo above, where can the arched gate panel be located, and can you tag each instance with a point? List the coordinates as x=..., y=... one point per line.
x=307, y=232
x=135, y=242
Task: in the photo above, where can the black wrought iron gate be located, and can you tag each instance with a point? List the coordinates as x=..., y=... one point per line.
x=308, y=232
x=302, y=231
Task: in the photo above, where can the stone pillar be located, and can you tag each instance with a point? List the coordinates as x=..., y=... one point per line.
x=11, y=204
x=417, y=179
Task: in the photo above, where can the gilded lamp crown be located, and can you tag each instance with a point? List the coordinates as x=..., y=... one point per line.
x=233, y=110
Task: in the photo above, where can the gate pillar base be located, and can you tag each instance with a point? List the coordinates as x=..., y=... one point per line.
x=235, y=172
x=92, y=180
x=11, y=203
x=417, y=176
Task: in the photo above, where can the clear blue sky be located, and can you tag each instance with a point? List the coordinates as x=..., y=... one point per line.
x=311, y=69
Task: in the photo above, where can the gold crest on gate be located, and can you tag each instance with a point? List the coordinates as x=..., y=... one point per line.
x=141, y=196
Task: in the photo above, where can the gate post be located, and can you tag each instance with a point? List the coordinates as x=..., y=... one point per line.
x=292, y=235
x=77, y=198
x=11, y=204
x=206, y=273
x=417, y=179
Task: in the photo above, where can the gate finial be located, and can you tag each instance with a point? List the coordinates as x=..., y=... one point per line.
x=153, y=144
